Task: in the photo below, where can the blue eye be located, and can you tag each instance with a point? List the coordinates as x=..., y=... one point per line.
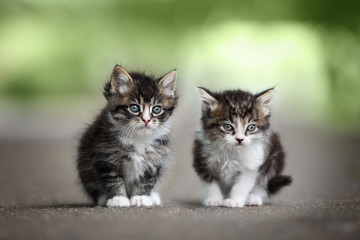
x=251, y=128
x=156, y=109
x=228, y=127
x=134, y=108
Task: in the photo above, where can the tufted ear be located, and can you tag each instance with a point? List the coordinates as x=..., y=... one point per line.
x=264, y=98
x=207, y=98
x=120, y=80
x=167, y=83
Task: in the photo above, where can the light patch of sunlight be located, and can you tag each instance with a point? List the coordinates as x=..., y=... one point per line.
x=24, y=42
x=254, y=56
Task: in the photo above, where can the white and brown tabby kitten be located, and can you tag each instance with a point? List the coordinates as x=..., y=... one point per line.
x=236, y=154
x=122, y=154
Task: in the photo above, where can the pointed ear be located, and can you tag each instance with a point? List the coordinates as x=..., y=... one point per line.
x=167, y=83
x=264, y=98
x=120, y=80
x=207, y=98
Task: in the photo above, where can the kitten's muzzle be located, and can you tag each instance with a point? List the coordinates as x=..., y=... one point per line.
x=239, y=140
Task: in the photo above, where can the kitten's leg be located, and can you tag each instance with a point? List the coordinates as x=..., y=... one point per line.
x=213, y=194
x=101, y=200
x=154, y=195
x=112, y=184
x=257, y=196
x=241, y=189
x=142, y=192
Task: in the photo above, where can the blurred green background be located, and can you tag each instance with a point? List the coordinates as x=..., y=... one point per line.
x=56, y=53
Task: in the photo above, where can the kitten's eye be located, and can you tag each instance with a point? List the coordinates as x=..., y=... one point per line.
x=134, y=108
x=251, y=128
x=156, y=109
x=228, y=127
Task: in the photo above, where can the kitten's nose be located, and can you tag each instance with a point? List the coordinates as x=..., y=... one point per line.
x=146, y=121
x=239, y=140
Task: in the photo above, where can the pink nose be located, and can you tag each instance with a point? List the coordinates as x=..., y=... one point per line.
x=146, y=121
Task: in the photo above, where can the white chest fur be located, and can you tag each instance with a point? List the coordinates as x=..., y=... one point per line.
x=137, y=164
x=251, y=157
x=227, y=164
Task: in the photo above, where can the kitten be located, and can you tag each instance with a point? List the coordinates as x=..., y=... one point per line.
x=122, y=154
x=236, y=154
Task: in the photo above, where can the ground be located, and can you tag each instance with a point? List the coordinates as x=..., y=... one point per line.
x=40, y=197
x=185, y=220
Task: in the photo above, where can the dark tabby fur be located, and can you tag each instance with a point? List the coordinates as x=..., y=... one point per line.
x=223, y=159
x=123, y=153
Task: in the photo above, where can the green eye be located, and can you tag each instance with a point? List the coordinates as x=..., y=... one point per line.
x=134, y=108
x=251, y=127
x=156, y=109
x=228, y=127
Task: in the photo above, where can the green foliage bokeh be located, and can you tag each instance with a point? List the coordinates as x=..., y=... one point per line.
x=67, y=48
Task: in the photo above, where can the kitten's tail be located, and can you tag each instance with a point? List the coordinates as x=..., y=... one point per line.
x=277, y=182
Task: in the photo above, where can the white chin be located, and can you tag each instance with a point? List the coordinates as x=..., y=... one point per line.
x=144, y=131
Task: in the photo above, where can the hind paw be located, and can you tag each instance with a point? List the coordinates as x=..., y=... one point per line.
x=254, y=200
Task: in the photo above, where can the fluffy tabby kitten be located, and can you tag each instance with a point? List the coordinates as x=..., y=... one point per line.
x=123, y=152
x=236, y=154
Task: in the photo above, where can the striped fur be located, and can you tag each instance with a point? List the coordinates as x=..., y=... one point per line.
x=122, y=154
x=236, y=154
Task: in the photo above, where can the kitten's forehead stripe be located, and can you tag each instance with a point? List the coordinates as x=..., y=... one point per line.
x=238, y=103
x=145, y=86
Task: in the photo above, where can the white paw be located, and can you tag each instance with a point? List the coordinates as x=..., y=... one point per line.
x=143, y=200
x=234, y=203
x=155, y=198
x=254, y=200
x=118, y=201
x=212, y=202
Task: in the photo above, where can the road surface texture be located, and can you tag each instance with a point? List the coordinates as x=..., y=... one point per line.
x=40, y=197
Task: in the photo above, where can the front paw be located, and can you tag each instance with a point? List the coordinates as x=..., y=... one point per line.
x=254, y=200
x=141, y=200
x=234, y=203
x=118, y=201
x=212, y=202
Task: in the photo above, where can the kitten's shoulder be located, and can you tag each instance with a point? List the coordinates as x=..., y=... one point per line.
x=275, y=155
x=200, y=159
x=274, y=142
x=98, y=129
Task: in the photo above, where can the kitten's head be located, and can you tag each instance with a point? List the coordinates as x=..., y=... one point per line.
x=235, y=117
x=140, y=104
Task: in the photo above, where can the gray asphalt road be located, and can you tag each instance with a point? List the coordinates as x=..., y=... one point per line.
x=40, y=197
x=185, y=220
